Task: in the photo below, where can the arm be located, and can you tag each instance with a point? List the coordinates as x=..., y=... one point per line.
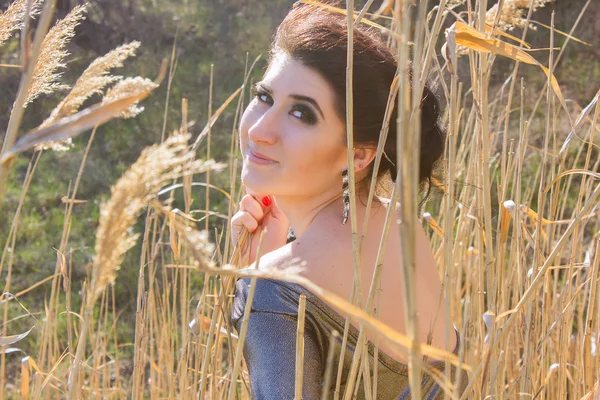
x=270, y=353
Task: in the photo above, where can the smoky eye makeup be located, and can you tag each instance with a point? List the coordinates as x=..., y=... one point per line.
x=261, y=94
x=308, y=115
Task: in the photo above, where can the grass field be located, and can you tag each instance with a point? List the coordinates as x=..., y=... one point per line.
x=514, y=223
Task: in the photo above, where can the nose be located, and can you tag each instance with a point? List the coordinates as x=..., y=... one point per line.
x=265, y=128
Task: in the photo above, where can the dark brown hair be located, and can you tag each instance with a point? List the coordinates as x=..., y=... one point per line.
x=318, y=38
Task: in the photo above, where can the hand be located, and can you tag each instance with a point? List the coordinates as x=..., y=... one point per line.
x=255, y=214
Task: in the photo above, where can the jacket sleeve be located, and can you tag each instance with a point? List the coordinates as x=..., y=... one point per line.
x=270, y=352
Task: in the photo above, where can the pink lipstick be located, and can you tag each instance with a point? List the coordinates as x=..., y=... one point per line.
x=258, y=158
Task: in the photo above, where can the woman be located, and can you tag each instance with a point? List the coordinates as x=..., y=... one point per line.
x=293, y=140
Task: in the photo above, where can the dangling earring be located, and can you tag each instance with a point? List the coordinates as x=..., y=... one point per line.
x=345, y=196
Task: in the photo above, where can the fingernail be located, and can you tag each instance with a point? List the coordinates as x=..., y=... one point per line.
x=266, y=201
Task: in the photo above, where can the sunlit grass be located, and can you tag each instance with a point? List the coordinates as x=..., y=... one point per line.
x=514, y=229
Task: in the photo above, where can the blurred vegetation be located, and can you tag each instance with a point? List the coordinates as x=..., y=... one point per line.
x=225, y=33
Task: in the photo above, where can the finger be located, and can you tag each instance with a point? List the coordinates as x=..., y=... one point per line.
x=275, y=211
x=251, y=192
x=251, y=205
x=245, y=219
x=241, y=204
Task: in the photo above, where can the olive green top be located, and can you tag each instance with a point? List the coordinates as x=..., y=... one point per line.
x=270, y=347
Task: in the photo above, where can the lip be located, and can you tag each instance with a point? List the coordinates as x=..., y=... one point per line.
x=259, y=158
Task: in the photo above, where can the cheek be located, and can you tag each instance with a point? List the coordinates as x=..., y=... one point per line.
x=314, y=158
x=248, y=119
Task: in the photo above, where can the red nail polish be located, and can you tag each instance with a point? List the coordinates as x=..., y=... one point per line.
x=266, y=201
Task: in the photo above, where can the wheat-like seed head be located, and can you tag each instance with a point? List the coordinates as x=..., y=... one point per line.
x=52, y=54
x=92, y=81
x=513, y=13
x=13, y=18
x=157, y=165
x=128, y=87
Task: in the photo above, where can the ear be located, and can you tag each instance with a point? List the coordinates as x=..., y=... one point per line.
x=363, y=156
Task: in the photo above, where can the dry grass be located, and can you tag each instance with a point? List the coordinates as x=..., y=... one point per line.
x=515, y=234
x=513, y=14
x=91, y=82
x=13, y=18
x=46, y=74
x=157, y=166
x=129, y=87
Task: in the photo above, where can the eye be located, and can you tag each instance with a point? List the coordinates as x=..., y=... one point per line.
x=304, y=113
x=261, y=95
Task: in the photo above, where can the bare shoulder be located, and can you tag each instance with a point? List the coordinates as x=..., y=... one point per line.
x=281, y=258
x=320, y=258
x=292, y=258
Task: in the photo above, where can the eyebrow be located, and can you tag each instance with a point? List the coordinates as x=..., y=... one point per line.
x=295, y=96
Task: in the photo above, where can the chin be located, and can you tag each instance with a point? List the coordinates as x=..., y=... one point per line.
x=254, y=182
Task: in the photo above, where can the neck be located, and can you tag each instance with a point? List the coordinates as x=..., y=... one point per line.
x=304, y=211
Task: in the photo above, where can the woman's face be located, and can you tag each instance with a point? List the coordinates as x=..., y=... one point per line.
x=292, y=121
